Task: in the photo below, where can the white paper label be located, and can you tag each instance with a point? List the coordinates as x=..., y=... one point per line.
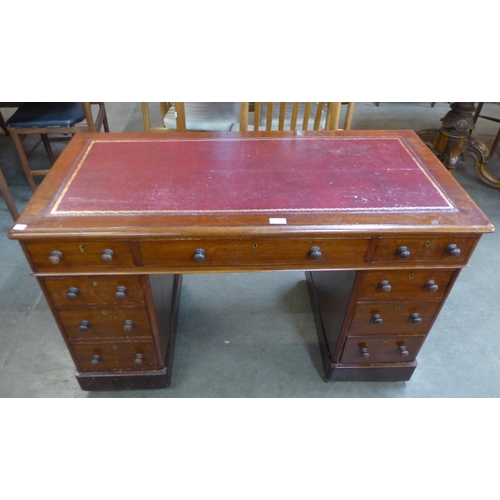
x=20, y=227
x=277, y=220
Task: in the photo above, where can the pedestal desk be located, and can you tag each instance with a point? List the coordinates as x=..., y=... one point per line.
x=378, y=224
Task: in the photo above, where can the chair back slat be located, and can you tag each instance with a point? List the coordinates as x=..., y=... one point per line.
x=307, y=113
x=318, y=116
x=256, y=115
x=269, y=116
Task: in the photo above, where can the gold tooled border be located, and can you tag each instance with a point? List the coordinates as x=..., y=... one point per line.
x=55, y=212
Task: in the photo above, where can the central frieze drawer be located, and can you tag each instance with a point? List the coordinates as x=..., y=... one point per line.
x=393, y=317
x=120, y=356
x=100, y=323
x=77, y=291
x=61, y=255
x=258, y=252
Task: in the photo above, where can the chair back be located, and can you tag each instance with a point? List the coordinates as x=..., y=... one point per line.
x=193, y=116
x=295, y=116
x=164, y=107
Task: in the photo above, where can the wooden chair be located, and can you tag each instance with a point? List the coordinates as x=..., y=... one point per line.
x=49, y=118
x=295, y=116
x=478, y=114
x=192, y=116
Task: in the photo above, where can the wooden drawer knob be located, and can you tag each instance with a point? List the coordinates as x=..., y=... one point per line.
x=453, y=250
x=84, y=326
x=315, y=253
x=95, y=360
x=403, y=351
x=416, y=318
x=403, y=252
x=107, y=255
x=364, y=353
x=385, y=286
x=377, y=319
x=128, y=325
x=138, y=359
x=55, y=257
x=432, y=286
x=72, y=293
x=121, y=291
x=199, y=255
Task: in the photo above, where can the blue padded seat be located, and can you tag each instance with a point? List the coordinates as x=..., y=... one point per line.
x=47, y=114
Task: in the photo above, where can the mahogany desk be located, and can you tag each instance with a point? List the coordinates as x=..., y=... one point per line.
x=376, y=221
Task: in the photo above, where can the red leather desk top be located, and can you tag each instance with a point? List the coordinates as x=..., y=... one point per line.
x=197, y=184
x=251, y=174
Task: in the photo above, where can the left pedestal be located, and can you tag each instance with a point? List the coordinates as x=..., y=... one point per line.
x=120, y=330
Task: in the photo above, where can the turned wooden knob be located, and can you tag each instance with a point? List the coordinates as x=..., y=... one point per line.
x=95, y=360
x=385, y=285
x=403, y=351
x=364, y=352
x=55, y=257
x=415, y=318
x=138, y=359
x=453, y=250
x=315, y=253
x=128, y=325
x=199, y=255
x=72, y=293
x=432, y=286
x=84, y=326
x=121, y=291
x=107, y=255
x=377, y=319
x=403, y=252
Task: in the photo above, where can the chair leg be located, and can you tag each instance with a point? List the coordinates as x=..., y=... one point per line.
x=22, y=158
x=9, y=201
x=48, y=148
x=105, y=119
x=3, y=126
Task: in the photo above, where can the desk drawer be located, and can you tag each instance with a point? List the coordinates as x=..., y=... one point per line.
x=61, y=255
x=78, y=291
x=425, y=283
x=375, y=349
x=105, y=323
x=254, y=252
x=450, y=249
x=118, y=356
x=393, y=317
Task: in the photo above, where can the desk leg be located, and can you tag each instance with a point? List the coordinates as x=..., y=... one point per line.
x=453, y=141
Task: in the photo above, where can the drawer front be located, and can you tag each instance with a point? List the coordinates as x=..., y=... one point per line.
x=399, y=349
x=119, y=356
x=447, y=250
x=411, y=283
x=393, y=317
x=105, y=323
x=255, y=252
x=53, y=256
x=78, y=291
